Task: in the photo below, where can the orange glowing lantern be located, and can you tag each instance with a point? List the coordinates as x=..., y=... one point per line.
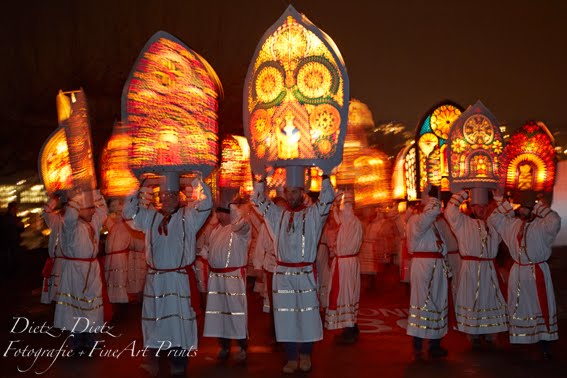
x=234, y=170
x=170, y=104
x=73, y=118
x=431, y=136
x=373, y=178
x=117, y=178
x=54, y=165
x=404, y=176
x=529, y=161
x=475, y=144
x=296, y=98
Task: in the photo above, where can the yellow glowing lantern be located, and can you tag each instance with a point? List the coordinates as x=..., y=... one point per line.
x=373, y=178
x=296, y=98
x=117, y=178
x=54, y=165
x=234, y=170
x=170, y=104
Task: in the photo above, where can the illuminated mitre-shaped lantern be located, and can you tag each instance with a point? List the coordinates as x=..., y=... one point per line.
x=432, y=132
x=54, y=166
x=73, y=117
x=359, y=119
x=373, y=178
x=404, y=175
x=235, y=165
x=169, y=105
x=117, y=178
x=295, y=99
x=529, y=161
x=475, y=144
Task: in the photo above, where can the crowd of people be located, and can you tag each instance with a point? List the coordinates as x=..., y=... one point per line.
x=187, y=259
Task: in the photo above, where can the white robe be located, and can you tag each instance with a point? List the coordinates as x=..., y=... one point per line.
x=453, y=257
x=327, y=242
x=201, y=264
x=296, y=307
x=480, y=305
x=265, y=259
x=429, y=308
x=118, y=243
x=527, y=323
x=80, y=288
x=167, y=314
x=227, y=315
x=349, y=239
x=137, y=267
x=53, y=220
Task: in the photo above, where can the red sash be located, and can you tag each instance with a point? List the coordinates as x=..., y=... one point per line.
x=541, y=290
x=194, y=291
x=230, y=269
x=335, y=284
x=501, y=283
x=426, y=255
x=46, y=272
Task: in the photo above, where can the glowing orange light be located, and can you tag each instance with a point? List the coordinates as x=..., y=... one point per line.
x=54, y=165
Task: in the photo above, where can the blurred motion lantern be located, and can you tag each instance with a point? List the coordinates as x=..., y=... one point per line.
x=359, y=118
x=373, y=175
x=475, y=144
x=431, y=136
x=404, y=175
x=54, y=165
x=117, y=178
x=169, y=105
x=235, y=165
x=296, y=98
x=529, y=161
x=73, y=117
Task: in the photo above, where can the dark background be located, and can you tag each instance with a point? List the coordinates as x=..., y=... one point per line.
x=402, y=57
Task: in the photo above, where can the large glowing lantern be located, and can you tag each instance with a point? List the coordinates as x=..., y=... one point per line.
x=432, y=132
x=295, y=98
x=169, y=104
x=373, y=178
x=404, y=174
x=359, y=118
x=475, y=144
x=73, y=118
x=54, y=166
x=235, y=165
x=117, y=178
x=529, y=161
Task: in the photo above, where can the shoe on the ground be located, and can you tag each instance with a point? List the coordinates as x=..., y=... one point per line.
x=240, y=356
x=305, y=362
x=290, y=367
x=151, y=366
x=223, y=354
x=438, y=352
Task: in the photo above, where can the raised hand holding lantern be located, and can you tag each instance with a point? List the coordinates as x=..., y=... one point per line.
x=169, y=105
x=295, y=99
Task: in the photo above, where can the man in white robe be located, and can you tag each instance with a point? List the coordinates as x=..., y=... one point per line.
x=79, y=298
x=168, y=318
x=226, y=316
x=531, y=301
x=429, y=307
x=52, y=269
x=137, y=267
x=118, y=242
x=480, y=306
x=344, y=291
x=201, y=263
x=296, y=231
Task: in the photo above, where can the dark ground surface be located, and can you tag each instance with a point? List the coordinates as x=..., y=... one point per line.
x=382, y=350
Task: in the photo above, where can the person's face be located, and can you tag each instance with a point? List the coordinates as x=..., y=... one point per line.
x=169, y=202
x=525, y=213
x=479, y=211
x=87, y=213
x=294, y=196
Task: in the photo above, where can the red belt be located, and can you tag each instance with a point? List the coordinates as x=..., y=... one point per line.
x=453, y=252
x=541, y=289
x=294, y=265
x=226, y=270
x=118, y=252
x=427, y=255
x=344, y=256
x=92, y=259
x=476, y=258
x=490, y=259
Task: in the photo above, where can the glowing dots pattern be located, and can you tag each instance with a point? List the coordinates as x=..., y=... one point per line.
x=410, y=169
x=54, y=165
x=442, y=118
x=170, y=104
x=296, y=97
x=117, y=178
x=373, y=178
x=529, y=161
x=475, y=144
x=234, y=169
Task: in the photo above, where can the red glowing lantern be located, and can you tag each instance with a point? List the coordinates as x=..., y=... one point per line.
x=475, y=144
x=170, y=104
x=529, y=161
x=296, y=99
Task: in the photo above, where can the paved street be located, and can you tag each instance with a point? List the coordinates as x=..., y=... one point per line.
x=382, y=350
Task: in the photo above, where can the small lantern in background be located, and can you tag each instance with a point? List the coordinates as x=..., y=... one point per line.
x=373, y=178
x=235, y=170
x=404, y=176
x=475, y=144
x=295, y=99
x=54, y=165
x=529, y=161
x=169, y=105
x=117, y=178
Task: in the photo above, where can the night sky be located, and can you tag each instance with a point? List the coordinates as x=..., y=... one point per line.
x=402, y=57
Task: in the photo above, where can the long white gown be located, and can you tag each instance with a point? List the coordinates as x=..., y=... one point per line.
x=53, y=220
